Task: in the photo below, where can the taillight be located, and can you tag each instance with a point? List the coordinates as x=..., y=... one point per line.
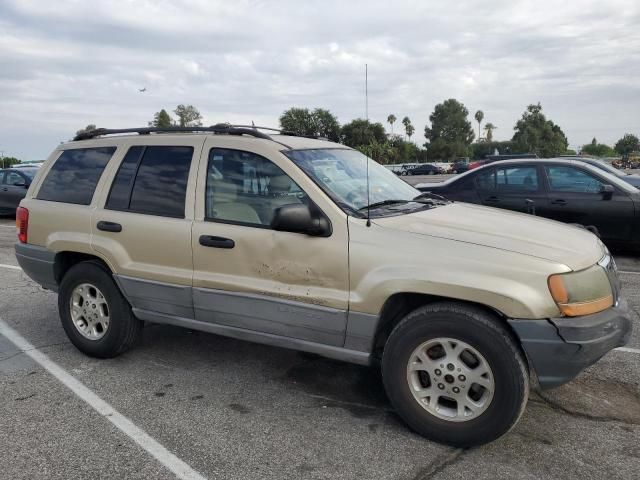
x=22, y=223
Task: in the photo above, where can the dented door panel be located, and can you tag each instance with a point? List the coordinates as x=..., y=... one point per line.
x=282, y=283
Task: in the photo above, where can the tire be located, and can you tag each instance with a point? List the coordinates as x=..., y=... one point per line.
x=455, y=324
x=123, y=329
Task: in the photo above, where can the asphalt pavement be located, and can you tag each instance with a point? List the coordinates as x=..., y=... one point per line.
x=234, y=410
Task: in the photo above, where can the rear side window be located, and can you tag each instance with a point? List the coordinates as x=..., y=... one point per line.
x=517, y=179
x=74, y=175
x=152, y=180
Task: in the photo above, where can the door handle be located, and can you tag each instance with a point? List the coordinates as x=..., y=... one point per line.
x=109, y=227
x=558, y=201
x=216, y=242
x=492, y=198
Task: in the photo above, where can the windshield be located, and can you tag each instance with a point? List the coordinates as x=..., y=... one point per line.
x=608, y=168
x=29, y=172
x=342, y=174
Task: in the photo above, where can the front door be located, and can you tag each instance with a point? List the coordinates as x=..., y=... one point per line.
x=575, y=196
x=14, y=189
x=249, y=276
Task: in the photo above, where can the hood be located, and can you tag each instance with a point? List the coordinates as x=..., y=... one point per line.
x=511, y=231
x=632, y=179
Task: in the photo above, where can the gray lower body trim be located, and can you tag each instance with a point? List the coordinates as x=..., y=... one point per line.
x=361, y=331
x=38, y=263
x=277, y=316
x=157, y=296
x=338, y=353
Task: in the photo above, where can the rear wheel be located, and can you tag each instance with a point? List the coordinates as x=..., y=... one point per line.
x=94, y=314
x=455, y=374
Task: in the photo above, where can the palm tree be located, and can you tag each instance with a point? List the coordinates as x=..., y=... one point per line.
x=407, y=123
x=489, y=128
x=409, y=129
x=391, y=120
x=479, y=116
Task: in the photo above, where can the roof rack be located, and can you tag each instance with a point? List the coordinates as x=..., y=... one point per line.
x=221, y=128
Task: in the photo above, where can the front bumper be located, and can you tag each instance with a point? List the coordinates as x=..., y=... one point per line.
x=560, y=348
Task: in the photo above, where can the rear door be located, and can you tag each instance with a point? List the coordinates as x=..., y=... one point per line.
x=575, y=197
x=512, y=187
x=143, y=224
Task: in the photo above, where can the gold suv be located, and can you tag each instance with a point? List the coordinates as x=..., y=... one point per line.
x=306, y=244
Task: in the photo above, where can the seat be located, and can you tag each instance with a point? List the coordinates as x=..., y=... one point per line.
x=280, y=194
x=222, y=203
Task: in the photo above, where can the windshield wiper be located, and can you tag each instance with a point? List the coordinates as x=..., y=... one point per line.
x=382, y=204
x=435, y=196
x=424, y=201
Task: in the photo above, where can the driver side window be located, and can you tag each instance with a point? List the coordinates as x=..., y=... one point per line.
x=245, y=188
x=14, y=178
x=571, y=180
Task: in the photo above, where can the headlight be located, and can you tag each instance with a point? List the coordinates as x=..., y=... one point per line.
x=581, y=293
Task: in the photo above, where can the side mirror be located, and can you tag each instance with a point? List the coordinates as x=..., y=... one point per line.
x=607, y=191
x=297, y=218
x=20, y=183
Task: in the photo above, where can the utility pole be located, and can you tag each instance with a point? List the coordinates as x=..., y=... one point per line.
x=2, y=157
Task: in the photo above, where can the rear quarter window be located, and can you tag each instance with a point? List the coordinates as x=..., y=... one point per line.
x=74, y=175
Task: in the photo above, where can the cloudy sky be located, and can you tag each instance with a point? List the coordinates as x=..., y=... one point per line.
x=67, y=63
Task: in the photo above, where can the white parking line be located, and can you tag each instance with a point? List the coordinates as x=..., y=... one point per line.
x=126, y=426
x=10, y=267
x=628, y=272
x=8, y=226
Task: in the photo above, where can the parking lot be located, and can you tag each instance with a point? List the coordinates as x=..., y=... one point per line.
x=215, y=407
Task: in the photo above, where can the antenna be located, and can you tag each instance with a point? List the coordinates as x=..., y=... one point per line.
x=366, y=112
x=366, y=92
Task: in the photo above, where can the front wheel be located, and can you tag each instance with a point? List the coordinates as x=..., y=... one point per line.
x=455, y=374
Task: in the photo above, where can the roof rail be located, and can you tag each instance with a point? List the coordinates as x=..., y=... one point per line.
x=221, y=128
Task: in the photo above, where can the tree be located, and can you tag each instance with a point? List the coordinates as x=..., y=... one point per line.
x=316, y=123
x=188, y=116
x=408, y=127
x=161, y=119
x=627, y=144
x=362, y=132
x=479, y=116
x=6, y=162
x=598, y=149
x=86, y=129
x=391, y=119
x=450, y=134
x=327, y=124
x=410, y=130
x=489, y=128
x=535, y=134
x=480, y=150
